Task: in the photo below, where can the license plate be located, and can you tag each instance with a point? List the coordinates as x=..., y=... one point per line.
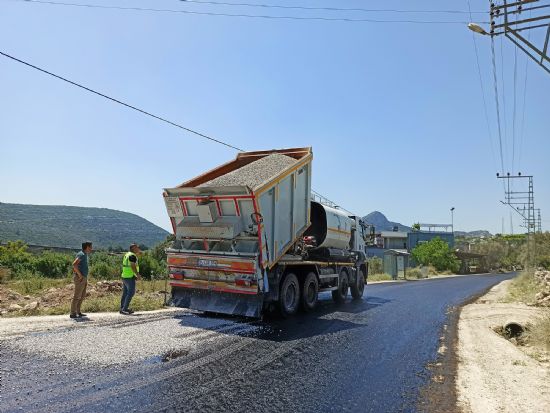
x=207, y=263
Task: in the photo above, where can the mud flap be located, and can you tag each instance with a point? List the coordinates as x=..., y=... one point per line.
x=217, y=302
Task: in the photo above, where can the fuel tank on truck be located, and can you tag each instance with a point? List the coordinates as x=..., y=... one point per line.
x=330, y=227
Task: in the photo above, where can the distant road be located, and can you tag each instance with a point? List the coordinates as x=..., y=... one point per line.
x=364, y=356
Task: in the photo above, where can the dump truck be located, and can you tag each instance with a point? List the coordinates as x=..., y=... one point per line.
x=249, y=239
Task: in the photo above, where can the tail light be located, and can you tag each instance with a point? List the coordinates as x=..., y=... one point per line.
x=179, y=275
x=244, y=283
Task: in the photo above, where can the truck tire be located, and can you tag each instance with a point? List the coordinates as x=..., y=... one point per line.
x=310, y=291
x=289, y=298
x=341, y=293
x=358, y=286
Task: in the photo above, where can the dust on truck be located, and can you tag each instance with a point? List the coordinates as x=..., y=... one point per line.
x=250, y=239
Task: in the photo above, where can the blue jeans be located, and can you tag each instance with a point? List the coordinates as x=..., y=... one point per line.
x=128, y=291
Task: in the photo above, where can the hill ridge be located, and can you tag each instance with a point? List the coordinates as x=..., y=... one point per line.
x=67, y=226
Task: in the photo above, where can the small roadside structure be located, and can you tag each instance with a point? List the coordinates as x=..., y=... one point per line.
x=470, y=262
x=395, y=262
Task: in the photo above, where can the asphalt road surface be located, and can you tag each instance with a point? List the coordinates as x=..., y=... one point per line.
x=370, y=355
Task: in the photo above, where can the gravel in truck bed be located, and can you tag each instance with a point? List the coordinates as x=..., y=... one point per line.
x=255, y=173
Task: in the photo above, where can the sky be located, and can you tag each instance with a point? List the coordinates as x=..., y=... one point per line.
x=394, y=112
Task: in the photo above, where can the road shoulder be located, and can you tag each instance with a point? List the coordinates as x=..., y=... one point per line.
x=493, y=374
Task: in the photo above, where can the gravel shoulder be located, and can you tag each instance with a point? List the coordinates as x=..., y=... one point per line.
x=17, y=326
x=493, y=374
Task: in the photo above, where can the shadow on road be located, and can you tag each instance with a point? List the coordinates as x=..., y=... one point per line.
x=328, y=317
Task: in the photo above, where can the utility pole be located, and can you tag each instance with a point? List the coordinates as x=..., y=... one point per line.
x=522, y=201
x=506, y=18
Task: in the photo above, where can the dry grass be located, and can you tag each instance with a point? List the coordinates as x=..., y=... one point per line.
x=414, y=273
x=148, y=296
x=539, y=334
x=380, y=277
x=36, y=285
x=523, y=288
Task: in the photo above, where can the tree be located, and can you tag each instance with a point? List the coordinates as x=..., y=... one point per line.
x=416, y=227
x=437, y=253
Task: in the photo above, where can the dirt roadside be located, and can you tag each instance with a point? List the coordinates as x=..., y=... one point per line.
x=493, y=374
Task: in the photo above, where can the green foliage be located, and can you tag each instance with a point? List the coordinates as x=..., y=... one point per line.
x=105, y=266
x=14, y=255
x=53, y=265
x=158, y=251
x=151, y=268
x=376, y=265
x=436, y=252
x=103, y=271
x=542, y=250
x=416, y=227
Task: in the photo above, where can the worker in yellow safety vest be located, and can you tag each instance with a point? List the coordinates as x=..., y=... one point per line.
x=130, y=272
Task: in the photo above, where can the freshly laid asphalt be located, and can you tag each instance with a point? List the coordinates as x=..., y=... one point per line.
x=370, y=355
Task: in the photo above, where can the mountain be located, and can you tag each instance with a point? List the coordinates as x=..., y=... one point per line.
x=69, y=226
x=381, y=223
x=474, y=234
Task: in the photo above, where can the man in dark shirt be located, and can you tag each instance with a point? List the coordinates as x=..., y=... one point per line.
x=80, y=271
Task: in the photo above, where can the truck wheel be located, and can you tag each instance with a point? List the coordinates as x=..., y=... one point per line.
x=310, y=292
x=289, y=299
x=359, y=286
x=341, y=293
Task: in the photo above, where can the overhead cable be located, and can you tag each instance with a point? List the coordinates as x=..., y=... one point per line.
x=252, y=16
x=120, y=102
x=312, y=8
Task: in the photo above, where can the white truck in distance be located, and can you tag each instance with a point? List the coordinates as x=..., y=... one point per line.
x=249, y=239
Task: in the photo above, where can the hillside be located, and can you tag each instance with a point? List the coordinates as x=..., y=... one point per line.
x=68, y=226
x=381, y=223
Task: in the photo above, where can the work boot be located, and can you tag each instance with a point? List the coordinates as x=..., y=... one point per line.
x=73, y=316
x=125, y=312
x=131, y=311
x=80, y=315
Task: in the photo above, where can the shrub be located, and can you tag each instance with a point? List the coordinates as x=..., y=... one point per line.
x=376, y=265
x=414, y=273
x=53, y=265
x=104, y=271
x=150, y=268
x=436, y=252
x=14, y=255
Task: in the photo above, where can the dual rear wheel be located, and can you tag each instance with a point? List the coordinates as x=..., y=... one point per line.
x=292, y=294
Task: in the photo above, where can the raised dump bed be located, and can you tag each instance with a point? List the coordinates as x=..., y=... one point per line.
x=264, y=195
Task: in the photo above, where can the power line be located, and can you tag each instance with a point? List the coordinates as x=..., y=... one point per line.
x=495, y=82
x=490, y=135
x=514, y=106
x=505, y=121
x=253, y=16
x=521, y=135
x=129, y=106
x=346, y=9
x=120, y=102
